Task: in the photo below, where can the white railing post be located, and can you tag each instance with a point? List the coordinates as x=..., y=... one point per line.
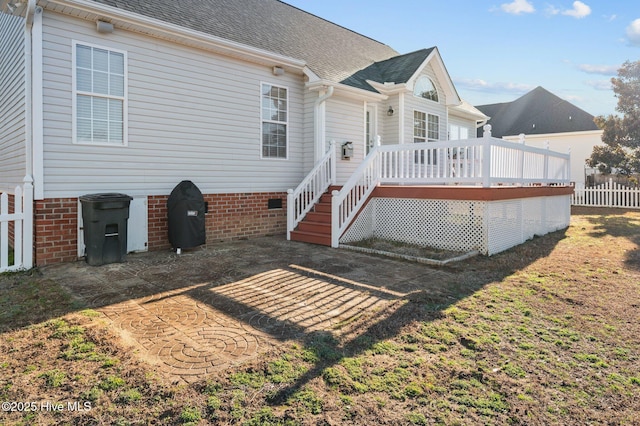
x=545, y=173
x=486, y=156
x=567, y=167
x=290, y=212
x=521, y=138
x=335, y=219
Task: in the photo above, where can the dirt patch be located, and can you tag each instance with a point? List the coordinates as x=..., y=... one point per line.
x=413, y=252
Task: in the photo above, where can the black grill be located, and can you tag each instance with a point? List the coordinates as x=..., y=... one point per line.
x=186, y=209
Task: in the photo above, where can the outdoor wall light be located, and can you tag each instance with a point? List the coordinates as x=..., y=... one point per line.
x=390, y=111
x=13, y=6
x=104, y=27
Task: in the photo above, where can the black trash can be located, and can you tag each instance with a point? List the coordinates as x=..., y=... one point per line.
x=186, y=209
x=105, y=227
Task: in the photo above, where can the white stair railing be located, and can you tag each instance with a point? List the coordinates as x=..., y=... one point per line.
x=346, y=203
x=302, y=199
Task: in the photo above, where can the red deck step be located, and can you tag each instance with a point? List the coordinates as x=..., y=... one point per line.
x=315, y=228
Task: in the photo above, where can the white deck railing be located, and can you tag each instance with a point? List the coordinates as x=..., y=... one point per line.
x=302, y=199
x=22, y=220
x=485, y=161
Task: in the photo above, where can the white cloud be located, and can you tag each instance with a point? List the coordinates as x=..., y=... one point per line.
x=579, y=11
x=633, y=33
x=600, y=84
x=518, y=7
x=599, y=69
x=552, y=10
x=495, y=87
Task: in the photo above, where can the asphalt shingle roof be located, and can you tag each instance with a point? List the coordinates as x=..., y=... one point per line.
x=331, y=51
x=398, y=69
x=535, y=113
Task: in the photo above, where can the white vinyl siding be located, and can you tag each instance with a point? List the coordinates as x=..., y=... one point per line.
x=99, y=95
x=192, y=114
x=275, y=101
x=12, y=102
x=345, y=123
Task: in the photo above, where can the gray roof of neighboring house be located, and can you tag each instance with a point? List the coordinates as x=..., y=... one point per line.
x=537, y=112
x=332, y=52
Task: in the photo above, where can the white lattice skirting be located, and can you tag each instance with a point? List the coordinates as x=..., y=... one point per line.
x=486, y=226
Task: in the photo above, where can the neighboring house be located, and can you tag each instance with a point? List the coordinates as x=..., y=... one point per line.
x=545, y=118
x=242, y=97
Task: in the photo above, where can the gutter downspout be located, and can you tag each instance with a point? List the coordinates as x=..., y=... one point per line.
x=32, y=128
x=319, y=125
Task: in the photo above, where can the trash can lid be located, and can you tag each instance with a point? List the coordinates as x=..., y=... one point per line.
x=108, y=196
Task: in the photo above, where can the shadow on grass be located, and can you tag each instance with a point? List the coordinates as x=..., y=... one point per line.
x=418, y=306
x=617, y=223
x=285, y=290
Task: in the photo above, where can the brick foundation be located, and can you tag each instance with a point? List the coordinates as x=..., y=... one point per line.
x=56, y=230
x=231, y=216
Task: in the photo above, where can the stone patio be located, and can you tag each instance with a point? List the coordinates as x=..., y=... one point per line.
x=208, y=308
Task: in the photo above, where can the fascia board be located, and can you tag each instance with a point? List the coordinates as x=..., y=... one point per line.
x=387, y=88
x=347, y=91
x=187, y=36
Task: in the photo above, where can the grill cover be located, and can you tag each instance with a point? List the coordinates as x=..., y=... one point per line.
x=186, y=210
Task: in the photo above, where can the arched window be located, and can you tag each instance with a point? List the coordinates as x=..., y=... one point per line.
x=425, y=88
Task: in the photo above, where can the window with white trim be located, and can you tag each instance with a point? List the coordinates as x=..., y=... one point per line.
x=424, y=88
x=426, y=127
x=458, y=132
x=275, y=116
x=99, y=95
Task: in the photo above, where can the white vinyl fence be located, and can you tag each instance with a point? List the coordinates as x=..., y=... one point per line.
x=609, y=194
x=22, y=230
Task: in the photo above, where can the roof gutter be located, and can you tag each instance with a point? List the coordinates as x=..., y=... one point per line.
x=185, y=35
x=348, y=91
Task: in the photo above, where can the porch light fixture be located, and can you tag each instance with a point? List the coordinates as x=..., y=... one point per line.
x=390, y=111
x=104, y=27
x=13, y=6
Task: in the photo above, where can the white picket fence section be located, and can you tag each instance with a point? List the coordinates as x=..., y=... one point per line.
x=609, y=194
x=22, y=220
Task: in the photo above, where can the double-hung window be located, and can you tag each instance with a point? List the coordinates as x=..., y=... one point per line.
x=99, y=95
x=275, y=116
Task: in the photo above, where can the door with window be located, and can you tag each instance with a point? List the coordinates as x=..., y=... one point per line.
x=426, y=128
x=371, y=129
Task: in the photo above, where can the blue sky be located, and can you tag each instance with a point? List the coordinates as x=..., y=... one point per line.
x=496, y=51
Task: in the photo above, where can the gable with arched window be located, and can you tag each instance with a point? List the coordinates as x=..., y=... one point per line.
x=424, y=88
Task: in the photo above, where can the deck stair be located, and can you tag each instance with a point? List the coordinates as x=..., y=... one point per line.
x=315, y=228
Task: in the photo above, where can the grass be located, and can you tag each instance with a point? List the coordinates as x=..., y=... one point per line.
x=546, y=333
